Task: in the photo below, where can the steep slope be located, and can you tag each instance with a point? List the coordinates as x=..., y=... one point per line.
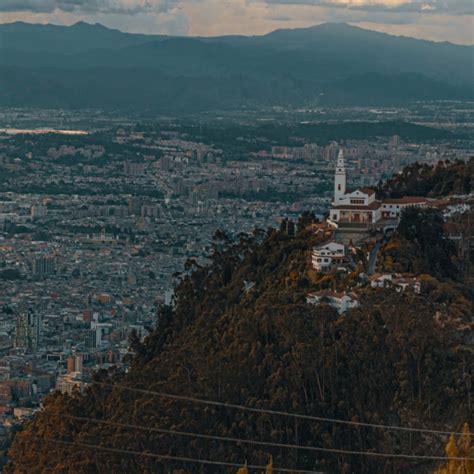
x=386, y=362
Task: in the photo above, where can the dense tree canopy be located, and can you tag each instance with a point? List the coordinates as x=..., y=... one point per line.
x=241, y=332
x=420, y=246
x=433, y=181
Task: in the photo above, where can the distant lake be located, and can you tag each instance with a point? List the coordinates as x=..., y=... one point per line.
x=40, y=131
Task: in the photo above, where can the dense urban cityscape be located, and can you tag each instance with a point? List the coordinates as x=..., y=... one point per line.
x=97, y=225
x=237, y=237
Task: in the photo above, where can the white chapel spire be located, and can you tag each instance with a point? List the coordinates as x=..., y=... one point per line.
x=340, y=178
x=340, y=159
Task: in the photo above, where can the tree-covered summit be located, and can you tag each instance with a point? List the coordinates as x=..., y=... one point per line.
x=443, y=179
x=241, y=332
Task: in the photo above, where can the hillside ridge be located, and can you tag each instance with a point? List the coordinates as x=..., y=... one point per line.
x=241, y=331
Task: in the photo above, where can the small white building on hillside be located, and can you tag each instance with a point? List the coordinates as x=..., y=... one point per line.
x=340, y=301
x=328, y=255
x=393, y=208
x=395, y=280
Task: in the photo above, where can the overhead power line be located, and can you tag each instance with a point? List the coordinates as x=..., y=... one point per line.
x=263, y=443
x=166, y=457
x=276, y=412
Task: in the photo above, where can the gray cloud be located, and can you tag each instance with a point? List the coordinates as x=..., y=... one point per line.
x=438, y=20
x=450, y=7
x=88, y=6
x=38, y=6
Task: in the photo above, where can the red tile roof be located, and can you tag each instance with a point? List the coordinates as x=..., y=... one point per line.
x=406, y=200
x=367, y=190
x=371, y=207
x=332, y=294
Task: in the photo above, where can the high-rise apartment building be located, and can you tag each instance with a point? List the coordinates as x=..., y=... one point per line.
x=29, y=330
x=44, y=265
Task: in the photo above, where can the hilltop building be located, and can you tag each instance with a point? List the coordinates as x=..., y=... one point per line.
x=360, y=208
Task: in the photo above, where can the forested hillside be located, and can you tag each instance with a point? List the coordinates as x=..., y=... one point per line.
x=242, y=333
x=417, y=247
x=433, y=181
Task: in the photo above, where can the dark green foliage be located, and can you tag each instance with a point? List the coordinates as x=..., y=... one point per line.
x=41, y=236
x=10, y=274
x=386, y=362
x=306, y=219
x=385, y=89
x=263, y=136
x=434, y=181
x=420, y=246
x=163, y=93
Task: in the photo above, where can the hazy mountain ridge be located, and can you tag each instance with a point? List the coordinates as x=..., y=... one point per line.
x=66, y=39
x=327, y=63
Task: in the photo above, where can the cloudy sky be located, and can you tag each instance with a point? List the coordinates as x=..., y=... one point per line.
x=439, y=20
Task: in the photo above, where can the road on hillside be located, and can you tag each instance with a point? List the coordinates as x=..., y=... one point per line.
x=373, y=258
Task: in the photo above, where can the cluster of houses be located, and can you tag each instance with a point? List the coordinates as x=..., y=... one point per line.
x=342, y=301
x=395, y=280
x=357, y=209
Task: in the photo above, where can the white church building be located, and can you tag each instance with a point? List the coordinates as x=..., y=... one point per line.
x=360, y=207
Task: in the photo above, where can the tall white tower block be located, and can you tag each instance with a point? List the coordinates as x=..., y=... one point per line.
x=340, y=178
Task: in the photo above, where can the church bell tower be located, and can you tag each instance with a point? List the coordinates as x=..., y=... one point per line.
x=340, y=178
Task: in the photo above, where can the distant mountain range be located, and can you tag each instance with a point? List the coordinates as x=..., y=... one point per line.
x=331, y=64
